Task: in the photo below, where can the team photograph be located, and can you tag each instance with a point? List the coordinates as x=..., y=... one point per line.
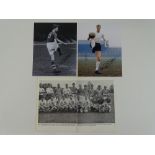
x=76, y=101
x=99, y=48
x=54, y=49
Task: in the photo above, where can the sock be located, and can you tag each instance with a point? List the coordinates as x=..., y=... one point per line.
x=59, y=51
x=97, y=65
x=52, y=57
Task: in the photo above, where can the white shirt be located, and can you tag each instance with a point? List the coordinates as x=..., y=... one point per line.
x=99, y=38
x=72, y=102
x=42, y=102
x=67, y=101
x=49, y=90
x=41, y=90
x=67, y=91
x=61, y=102
x=55, y=101
x=49, y=102
x=105, y=91
x=99, y=92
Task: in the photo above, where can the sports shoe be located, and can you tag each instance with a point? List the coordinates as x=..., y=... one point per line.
x=56, y=70
x=97, y=72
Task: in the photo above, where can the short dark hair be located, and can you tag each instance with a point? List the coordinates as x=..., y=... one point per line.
x=98, y=25
x=55, y=25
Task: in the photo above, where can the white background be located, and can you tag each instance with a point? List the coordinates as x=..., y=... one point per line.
x=86, y=144
x=134, y=91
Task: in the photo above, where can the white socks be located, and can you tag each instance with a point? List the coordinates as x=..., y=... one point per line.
x=52, y=57
x=97, y=65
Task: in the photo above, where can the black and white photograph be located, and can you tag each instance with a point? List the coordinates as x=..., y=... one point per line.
x=76, y=101
x=54, y=49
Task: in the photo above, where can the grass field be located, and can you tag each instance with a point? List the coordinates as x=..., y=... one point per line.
x=91, y=117
x=66, y=62
x=109, y=66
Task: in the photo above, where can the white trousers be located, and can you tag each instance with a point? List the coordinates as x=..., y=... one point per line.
x=52, y=47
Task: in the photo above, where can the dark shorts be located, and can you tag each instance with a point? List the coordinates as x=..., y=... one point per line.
x=97, y=47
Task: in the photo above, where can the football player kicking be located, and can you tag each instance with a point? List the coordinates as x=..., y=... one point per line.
x=95, y=41
x=53, y=46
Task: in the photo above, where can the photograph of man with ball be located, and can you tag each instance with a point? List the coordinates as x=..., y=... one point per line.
x=99, y=48
x=96, y=39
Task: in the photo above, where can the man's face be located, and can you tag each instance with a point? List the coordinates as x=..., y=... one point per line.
x=99, y=87
x=98, y=28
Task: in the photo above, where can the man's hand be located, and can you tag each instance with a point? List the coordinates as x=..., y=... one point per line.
x=65, y=43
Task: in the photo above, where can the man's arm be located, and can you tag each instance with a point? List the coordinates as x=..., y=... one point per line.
x=60, y=41
x=106, y=42
x=103, y=37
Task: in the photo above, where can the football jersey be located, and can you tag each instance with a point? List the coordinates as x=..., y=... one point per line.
x=105, y=91
x=72, y=102
x=58, y=91
x=80, y=92
x=91, y=92
x=52, y=36
x=55, y=101
x=67, y=101
x=88, y=103
x=42, y=102
x=41, y=90
x=74, y=90
x=99, y=92
x=99, y=38
x=67, y=91
x=61, y=103
x=49, y=90
x=49, y=102
x=86, y=93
